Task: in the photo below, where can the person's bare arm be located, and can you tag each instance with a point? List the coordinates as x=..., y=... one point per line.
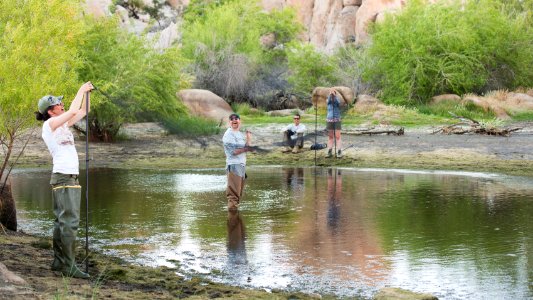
x=74, y=109
x=82, y=112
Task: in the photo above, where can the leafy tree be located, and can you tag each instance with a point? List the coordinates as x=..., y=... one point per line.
x=349, y=62
x=197, y=9
x=137, y=7
x=137, y=82
x=309, y=69
x=39, y=41
x=223, y=42
x=449, y=48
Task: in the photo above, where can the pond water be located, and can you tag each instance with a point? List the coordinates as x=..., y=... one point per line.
x=343, y=232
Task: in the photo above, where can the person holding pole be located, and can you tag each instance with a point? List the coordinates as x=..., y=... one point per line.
x=66, y=190
x=235, y=147
x=333, y=124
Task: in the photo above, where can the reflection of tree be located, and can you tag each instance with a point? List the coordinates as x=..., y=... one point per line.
x=236, y=239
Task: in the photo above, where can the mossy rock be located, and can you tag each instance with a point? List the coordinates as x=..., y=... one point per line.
x=399, y=294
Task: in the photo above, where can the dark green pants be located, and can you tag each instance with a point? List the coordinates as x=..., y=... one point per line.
x=66, y=194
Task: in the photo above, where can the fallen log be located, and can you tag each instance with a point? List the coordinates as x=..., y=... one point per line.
x=468, y=125
x=371, y=131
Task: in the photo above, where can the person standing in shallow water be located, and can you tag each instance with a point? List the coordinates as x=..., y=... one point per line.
x=66, y=190
x=235, y=147
x=333, y=123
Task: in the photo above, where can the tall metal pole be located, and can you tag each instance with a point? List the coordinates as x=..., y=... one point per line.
x=87, y=94
x=334, y=99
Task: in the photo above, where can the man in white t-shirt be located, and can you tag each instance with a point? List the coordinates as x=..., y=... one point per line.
x=293, y=136
x=235, y=147
x=66, y=190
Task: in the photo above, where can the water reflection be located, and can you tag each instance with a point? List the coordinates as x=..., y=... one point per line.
x=334, y=199
x=340, y=231
x=294, y=181
x=236, y=239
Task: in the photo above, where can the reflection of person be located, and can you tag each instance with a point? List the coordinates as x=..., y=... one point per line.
x=235, y=148
x=66, y=190
x=293, y=136
x=334, y=197
x=236, y=238
x=333, y=123
x=295, y=179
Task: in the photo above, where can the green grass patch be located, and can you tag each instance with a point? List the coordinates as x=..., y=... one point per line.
x=445, y=109
x=188, y=126
x=523, y=116
x=246, y=109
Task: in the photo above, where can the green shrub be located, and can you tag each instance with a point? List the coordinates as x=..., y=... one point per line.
x=309, y=69
x=245, y=109
x=137, y=82
x=446, y=48
x=222, y=40
x=349, y=62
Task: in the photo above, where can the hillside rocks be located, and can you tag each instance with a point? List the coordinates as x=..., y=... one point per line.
x=331, y=24
x=328, y=24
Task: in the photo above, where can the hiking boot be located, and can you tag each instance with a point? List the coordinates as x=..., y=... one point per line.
x=330, y=153
x=56, y=265
x=74, y=272
x=339, y=153
x=286, y=150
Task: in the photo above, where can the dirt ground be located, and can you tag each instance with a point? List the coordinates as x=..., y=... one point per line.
x=148, y=146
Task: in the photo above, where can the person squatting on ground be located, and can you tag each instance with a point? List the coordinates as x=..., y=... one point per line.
x=235, y=147
x=293, y=136
x=66, y=190
x=333, y=123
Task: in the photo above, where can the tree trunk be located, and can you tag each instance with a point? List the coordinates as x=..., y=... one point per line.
x=8, y=211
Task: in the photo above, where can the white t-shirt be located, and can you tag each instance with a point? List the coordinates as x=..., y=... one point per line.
x=298, y=129
x=232, y=140
x=60, y=143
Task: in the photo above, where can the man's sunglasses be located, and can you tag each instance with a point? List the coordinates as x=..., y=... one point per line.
x=296, y=118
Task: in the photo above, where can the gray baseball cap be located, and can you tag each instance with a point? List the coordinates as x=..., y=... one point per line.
x=47, y=101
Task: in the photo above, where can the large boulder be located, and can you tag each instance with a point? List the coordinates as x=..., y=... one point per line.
x=486, y=105
x=520, y=101
x=206, y=104
x=368, y=13
x=320, y=95
x=329, y=24
x=364, y=101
